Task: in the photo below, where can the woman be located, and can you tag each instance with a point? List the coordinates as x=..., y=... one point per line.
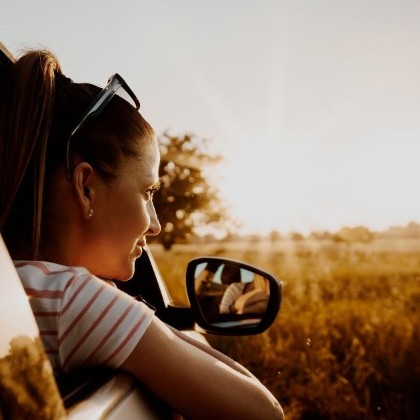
x=78, y=169
x=244, y=297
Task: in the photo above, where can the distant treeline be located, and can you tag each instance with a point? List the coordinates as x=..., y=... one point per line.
x=345, y=234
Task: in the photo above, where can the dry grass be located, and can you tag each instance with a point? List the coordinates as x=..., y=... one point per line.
x=345, y=344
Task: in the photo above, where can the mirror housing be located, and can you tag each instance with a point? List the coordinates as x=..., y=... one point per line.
x=229, y=297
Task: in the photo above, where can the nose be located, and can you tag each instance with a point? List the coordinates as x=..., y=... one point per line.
x=154, y=227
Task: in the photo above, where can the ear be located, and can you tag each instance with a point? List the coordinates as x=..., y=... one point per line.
x=84, y=186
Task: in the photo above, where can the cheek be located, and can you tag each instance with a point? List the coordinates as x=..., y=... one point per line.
x=139, y=217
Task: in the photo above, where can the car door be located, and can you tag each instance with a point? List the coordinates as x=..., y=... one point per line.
x=27, y=384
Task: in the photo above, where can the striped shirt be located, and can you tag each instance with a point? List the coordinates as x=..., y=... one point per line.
x=82, y=319
x=232, y=293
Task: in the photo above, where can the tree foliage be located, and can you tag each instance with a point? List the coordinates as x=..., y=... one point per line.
x=186, y=200
x=27, y=386
x=353, y=234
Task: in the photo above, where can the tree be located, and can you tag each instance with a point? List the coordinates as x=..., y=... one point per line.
x=186, y=200
x=274, y=235
x=354, y=234
x=296, y=236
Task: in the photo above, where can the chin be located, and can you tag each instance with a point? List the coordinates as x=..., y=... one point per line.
x=124, y=274
x=124, y=278
x=127, y=273
x=119, y=270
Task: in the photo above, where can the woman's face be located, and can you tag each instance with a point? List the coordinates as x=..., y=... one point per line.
x=123, y=216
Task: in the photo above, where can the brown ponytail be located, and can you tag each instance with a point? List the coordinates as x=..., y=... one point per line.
x=27, y=92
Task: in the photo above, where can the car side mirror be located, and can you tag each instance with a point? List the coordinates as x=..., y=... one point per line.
x=229, y=297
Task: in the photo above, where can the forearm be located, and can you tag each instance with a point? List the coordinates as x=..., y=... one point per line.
x=213, y=352
x=200, y=382
x=232, y=364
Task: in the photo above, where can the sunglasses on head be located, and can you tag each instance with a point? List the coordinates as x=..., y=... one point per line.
x=115, y=83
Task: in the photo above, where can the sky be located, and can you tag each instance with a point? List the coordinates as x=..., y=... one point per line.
x=315, y=104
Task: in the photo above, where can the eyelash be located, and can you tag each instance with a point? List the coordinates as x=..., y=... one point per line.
x=151, y=191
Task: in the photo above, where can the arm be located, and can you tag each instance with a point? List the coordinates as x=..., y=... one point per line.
x=252, y=302
x=233, y=292
x=197, y=380
x=214, y=353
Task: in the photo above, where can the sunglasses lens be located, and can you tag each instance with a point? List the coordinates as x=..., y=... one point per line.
x=122, y=93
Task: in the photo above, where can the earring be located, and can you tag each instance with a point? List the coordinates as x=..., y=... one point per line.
x=90, y=214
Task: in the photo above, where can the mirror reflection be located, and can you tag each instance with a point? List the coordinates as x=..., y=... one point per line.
x=230, y=295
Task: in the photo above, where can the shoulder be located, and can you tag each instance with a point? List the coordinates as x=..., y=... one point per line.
x=93, y=321
x=236, y=287
x=46, y=268
x=40, y=274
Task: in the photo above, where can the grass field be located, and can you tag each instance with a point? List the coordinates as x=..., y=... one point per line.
x=346, y=342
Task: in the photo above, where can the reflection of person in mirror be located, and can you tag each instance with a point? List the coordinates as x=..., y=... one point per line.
x=78, y=169
x=245, y=298
x=204, y=281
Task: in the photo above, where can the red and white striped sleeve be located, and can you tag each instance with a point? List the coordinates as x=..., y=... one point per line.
x=230, y=295
x=82, y=319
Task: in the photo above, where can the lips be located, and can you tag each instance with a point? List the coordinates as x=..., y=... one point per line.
x=141, y=244
x=138, y=250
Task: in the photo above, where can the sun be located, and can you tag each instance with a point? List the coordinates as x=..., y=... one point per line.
x=266, y=186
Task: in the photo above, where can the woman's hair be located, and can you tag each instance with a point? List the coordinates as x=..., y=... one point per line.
x=230, y=274
x=39, y=107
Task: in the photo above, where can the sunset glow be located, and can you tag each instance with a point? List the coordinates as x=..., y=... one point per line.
x=314, y=105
